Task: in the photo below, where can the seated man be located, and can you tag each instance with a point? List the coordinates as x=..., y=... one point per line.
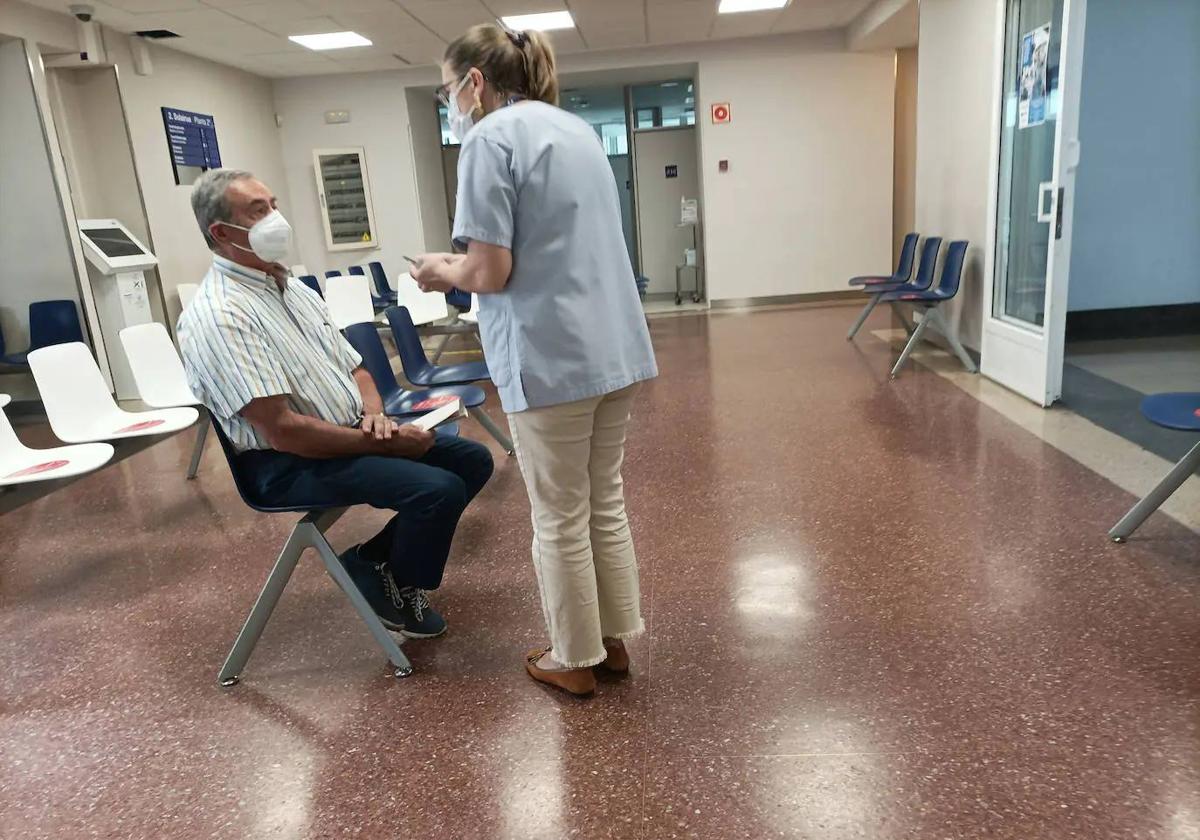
x=290, y=393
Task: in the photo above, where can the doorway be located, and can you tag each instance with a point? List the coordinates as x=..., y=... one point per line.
x=1033, y=195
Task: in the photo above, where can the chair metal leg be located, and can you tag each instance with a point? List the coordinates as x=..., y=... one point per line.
x=198, y=448
x=898, y=310
x=308, y=533
x=940, y=324
x=862, y=317
x=441, y=348
x=484, y=420
x=913, y=341
x=239, y=654
x=1155, y=498
x=401, y=667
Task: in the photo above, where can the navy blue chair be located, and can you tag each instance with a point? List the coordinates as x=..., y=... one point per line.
x=1181, y=412
x=929, y=301
x=308, y=533
x=383, y=293
x=904, y=266
x=357, y=269
x=333, y=272
x=311, y=281
x=420, y=371
x=460, y=300
x=877, y=287
x=50, y=322
x=398, y=402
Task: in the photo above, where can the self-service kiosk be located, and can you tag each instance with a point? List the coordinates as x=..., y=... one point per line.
x=117, y=263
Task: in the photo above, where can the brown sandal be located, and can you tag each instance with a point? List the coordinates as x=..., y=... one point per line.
x=578, y=681
x=618, y=658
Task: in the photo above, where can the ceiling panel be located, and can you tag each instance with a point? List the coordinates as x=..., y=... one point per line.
x=819, y=14
x=525, y=7
x=140, y=7
x=679, y=20
x=566, y=41
x=610, y=22
x=448, y=18
x=272, y=12
x=744, y=25
x=617, y=38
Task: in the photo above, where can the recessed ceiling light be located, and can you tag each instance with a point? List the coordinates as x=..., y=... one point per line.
x=542, y=21
x=330, y=40
x=670, y=84
x=729, y=7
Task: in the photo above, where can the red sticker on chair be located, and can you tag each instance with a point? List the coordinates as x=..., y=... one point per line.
x=37, y=469
x=1197, y=412
x=910, y=297
x=434, y=402
x=140, y=427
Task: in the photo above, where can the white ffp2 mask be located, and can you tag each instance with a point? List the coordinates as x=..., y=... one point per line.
x=270, y=237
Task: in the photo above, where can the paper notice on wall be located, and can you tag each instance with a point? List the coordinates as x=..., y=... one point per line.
x=689, y=211
x=1033, y=77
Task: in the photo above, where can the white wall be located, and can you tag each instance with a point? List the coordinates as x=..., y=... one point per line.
x=806, y=204
x=242, y=105
x=426, y=138
x=34, y=248
x=379, y=122
x=955, y=90
x=1136, y=239
x=904, y=190
x=39, y=26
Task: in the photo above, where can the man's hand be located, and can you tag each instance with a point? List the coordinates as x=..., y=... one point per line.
x=378, y=426
x=408, y=441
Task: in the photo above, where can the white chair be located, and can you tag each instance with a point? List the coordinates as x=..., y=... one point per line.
x=20, y=465
x=160, y=378
x=186, y=292
x=80, y=407
x=349, y=300
x=299, y=270
x=423, y=307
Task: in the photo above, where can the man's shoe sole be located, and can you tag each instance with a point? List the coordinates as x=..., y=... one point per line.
x=410, y=634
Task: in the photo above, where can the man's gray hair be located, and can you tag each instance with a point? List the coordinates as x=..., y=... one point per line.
x=208, y=199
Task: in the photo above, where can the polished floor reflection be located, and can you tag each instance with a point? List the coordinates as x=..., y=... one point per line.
x=875, y=610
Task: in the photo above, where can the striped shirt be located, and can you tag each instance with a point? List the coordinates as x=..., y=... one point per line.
x=242, y=338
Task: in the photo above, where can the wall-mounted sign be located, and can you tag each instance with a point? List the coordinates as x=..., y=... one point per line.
x=1034, y=88
x=192, y=139
x=672, y=171
x=721, y=113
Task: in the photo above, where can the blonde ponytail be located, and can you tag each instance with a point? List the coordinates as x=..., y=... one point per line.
x=516, y=63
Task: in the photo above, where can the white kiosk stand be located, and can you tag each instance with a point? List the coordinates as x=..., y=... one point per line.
x=116, y=262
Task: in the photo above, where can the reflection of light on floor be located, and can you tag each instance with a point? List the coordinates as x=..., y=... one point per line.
x=1183, y=821
x=280, y=797
x=531, y=796
x=771, y=594
x=1010, y=585
x=827, y=795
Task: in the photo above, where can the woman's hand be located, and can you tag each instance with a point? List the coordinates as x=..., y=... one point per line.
x=432, y=272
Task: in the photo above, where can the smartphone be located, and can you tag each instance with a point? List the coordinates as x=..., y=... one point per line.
x=411, y=261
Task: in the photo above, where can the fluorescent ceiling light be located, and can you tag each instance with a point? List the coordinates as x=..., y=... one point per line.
x=729, y=7
x=330, y=40
x=542, y=21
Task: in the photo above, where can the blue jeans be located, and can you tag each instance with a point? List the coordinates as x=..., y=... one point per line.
x=429, y=495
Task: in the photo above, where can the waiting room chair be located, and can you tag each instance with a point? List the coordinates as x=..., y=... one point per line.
x=471, y=316
x=187, y=293
x=349, y=300
x=14, y=359
x=929, y=301
x=160, y=378
x=333, y=272
x=398, y=402
x=80, y=407
x=420, y=371
x=358, y=270
x=382, y=293
x=1180, y=411
x=50, y=322
x=313, y=283
x=308, y=533
x=459, y=304
x=877, y=286
x=299, y=270
x=21, y=465
x=423, y=307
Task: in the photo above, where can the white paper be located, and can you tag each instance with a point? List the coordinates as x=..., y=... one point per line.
x=689, y=211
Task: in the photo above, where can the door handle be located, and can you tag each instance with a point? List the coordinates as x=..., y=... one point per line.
x=1043, y=215
x=1058, y=206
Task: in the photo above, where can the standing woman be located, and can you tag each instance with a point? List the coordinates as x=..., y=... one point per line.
x=563, y=331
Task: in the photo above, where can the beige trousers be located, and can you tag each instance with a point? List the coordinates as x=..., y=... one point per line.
x=570, y=456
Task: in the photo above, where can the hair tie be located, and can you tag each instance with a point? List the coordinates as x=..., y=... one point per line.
x=519, y=39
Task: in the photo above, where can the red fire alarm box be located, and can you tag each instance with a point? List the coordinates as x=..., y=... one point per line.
x=721, y=113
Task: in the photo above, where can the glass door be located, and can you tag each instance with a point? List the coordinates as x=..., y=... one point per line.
x=1037, y=151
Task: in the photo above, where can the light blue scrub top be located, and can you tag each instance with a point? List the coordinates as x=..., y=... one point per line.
x=569, y=324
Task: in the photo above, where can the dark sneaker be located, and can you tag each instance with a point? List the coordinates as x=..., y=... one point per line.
x=377, y=586
x=421, y=621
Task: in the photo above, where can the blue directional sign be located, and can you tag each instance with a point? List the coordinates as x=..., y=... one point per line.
x=192, y=139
